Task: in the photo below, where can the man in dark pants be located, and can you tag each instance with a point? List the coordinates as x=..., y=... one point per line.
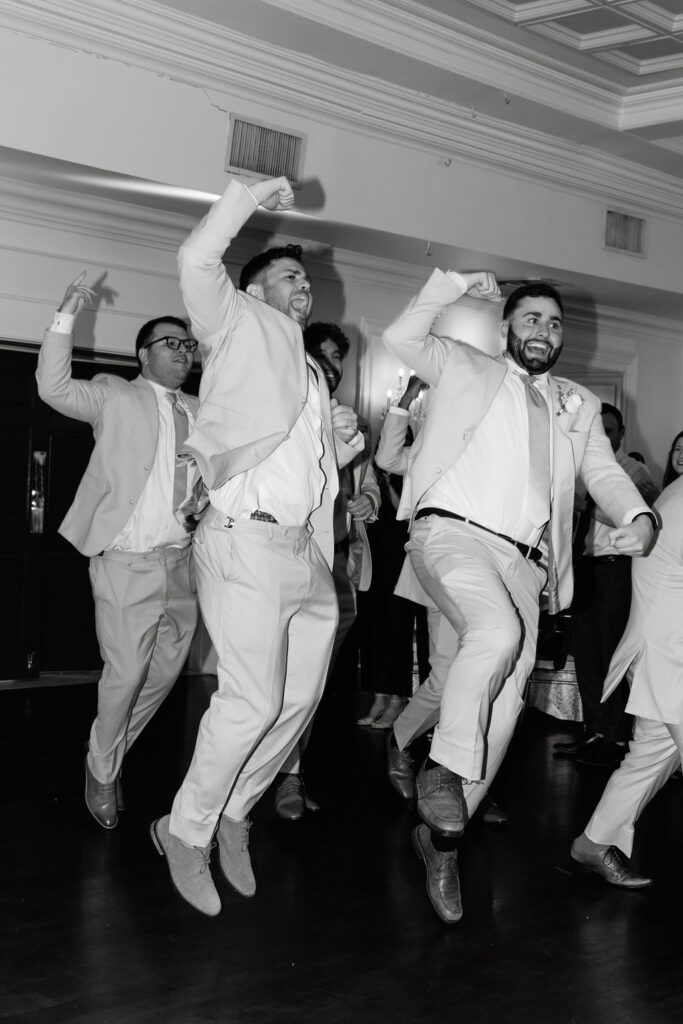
x=600, y=611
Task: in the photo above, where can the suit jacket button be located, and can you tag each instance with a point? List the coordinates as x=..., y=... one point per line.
x=466, y=437
x=131, y=501
x=438, y=469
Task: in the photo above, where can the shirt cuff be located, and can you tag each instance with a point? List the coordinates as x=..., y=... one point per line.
x=397, y=411
x=641, y=511
x=63, y=323
x=457, y=279
x=357, y=442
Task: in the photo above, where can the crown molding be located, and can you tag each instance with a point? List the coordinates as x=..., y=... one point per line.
x=442, y=40
x=177, y=45
x=588, y=41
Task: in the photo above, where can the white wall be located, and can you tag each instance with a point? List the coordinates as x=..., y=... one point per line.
x=107, y=113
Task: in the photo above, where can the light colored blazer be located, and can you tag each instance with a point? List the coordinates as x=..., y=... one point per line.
x=254, y=376
x=125, y=420
x=465, y=382
x=364, y=482
x=654, y=633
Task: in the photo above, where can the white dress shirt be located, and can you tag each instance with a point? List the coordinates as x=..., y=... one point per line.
x=289, y=483
x=153, y=524
x=597, y=538
x=489, y=482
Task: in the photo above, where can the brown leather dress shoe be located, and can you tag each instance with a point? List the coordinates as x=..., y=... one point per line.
x=608, y=862
x=100, y=799
x=443, y=880
x=440, y=800
x=400, y=769
x=292, y=799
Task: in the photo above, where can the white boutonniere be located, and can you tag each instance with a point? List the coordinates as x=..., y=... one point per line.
x=570, y=400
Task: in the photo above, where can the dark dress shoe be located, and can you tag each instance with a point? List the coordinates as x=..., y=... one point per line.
x=440, y=800
x=400, y=769
x=609, y=863
x=601, y=754
x=291, y=799
x=443, y=881
x=100, y=799
x=575, y=747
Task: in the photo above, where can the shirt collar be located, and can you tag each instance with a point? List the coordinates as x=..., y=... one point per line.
x=540, y=379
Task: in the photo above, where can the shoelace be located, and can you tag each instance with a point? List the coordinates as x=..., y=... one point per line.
x=290, y=784
x=205, y=852
x=244, y=834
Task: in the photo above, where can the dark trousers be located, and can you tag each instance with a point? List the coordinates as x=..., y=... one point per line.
x=602, y=601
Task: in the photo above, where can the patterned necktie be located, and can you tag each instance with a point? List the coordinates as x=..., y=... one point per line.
x=181, y=429
x=538, y=494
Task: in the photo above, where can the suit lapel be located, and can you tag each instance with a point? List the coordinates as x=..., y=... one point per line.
x=148, y=402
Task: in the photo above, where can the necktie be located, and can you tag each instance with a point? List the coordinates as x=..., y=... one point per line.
x=538, y=494
x=181, y=429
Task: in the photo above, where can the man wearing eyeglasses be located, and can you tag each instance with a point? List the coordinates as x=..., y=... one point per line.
x=132, y=515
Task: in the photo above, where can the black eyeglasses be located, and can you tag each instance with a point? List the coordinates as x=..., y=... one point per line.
x=189, y=344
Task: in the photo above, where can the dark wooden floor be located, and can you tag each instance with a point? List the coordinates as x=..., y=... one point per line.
x=340, y=929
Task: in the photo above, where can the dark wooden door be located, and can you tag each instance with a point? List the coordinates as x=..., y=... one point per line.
x=46, y=604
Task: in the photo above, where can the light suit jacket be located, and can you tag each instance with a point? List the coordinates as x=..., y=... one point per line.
x=254, y=372
x=360, y=558
x=125, y=420
x=465, y=382
x=654, y=633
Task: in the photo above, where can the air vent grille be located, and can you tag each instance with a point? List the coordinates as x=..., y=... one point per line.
x=262, y=149
x=624, y=232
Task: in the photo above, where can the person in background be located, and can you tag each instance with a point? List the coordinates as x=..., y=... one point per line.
x=132, y=516
x=356, y=505
x=674, y=462
x=600, y=609
x=392, y=622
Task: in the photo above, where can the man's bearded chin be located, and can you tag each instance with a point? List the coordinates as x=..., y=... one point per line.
x=532, y=364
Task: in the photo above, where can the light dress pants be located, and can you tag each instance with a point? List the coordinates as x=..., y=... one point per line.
x=145, y=617
x=346, y=604
x=482, y=647
x=268, y=601
x=653, y=756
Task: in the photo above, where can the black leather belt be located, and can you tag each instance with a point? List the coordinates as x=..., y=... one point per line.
x=608, y=558
x=534, y=554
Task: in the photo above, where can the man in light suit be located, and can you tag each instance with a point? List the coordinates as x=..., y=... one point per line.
x=491, y=477
x=649, y=653
x=356, y=504
x=267, y=440
x=132, y=517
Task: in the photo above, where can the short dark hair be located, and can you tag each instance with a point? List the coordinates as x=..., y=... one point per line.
x=262, y=260
x=145, y=332
x=534, y=289
x=315, y=334
x=611, y=410
x=670, y=473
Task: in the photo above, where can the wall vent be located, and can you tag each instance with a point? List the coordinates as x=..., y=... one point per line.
x=264, y=149
x=624, y=232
